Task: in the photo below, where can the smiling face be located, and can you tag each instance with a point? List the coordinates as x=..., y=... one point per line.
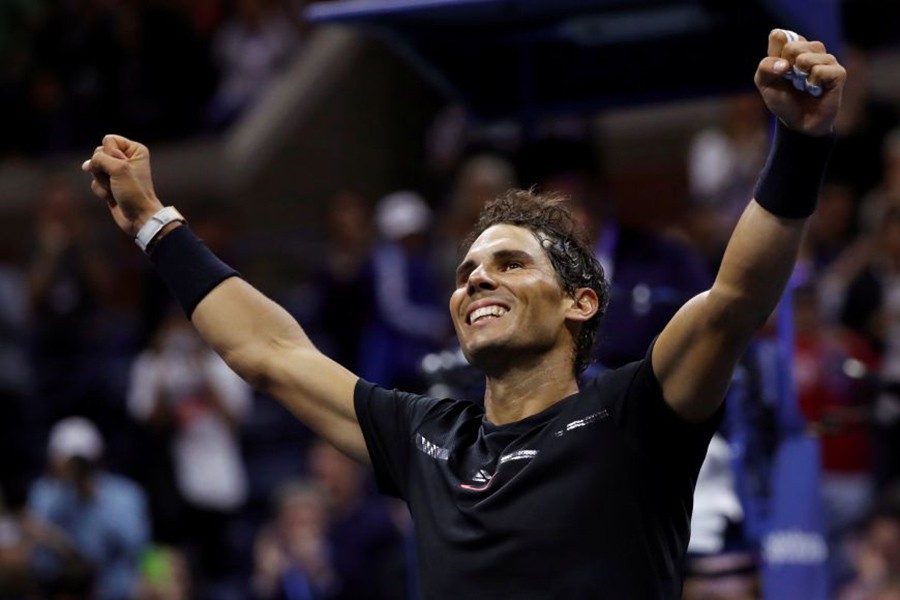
x=509, y=302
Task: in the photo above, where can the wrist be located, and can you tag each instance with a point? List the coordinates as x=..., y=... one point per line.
x=187, y=266
x=162, y=233
x=813, y=133
x=154, y=205
x=154, y=226
x=791, y=180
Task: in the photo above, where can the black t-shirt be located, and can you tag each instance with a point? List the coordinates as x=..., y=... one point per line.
x=590, y=498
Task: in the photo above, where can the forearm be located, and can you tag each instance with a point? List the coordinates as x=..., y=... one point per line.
x=755, y=269
x=696, y=353
x=235, y=319
x=259, y=340
x=760, y=256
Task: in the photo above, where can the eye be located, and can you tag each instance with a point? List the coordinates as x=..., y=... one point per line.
x=511, y=265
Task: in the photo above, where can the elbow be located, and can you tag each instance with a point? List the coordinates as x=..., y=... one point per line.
x=249, y=366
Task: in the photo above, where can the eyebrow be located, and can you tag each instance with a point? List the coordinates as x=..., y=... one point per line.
x=468, y=265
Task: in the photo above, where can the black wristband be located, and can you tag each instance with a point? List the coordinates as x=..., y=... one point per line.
x=789, y=184
x=188, y=267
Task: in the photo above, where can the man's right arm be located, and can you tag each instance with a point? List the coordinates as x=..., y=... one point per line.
x=263, y=344
x=258, y=339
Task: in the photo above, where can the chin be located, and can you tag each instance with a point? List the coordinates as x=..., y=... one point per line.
x=487, y=353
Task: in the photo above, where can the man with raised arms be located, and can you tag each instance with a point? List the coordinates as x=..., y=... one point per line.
x=553, y=489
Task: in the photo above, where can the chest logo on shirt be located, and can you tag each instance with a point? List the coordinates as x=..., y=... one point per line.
x=481, y=480
x=583, y=422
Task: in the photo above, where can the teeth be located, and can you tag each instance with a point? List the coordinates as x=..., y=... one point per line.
x=486, y=311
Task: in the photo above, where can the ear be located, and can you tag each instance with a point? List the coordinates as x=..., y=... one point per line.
x=584, y=304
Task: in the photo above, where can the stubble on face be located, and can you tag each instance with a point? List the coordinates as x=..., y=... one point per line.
x=508, y=304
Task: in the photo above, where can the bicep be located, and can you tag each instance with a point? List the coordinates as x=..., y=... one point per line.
x=696, y=353
x=320, y=392
x=694, y=357
x=266, y=346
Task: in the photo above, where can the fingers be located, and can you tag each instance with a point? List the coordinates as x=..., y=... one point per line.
x=100, y=190
x=771, y=71
x=111, y=154
x=808, y=65
x=100, y=165
x=118, y=146
x=823, y=69
x=777, y=40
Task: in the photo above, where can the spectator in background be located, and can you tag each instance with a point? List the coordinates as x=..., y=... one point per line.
x=649, y=276
x=165, y=575
x=723, y=162
x=250, y=49
x=367, y=549
x=16, y=381
x=410, y=318
x=69, y=282
x=887, y=192
x=861, y=127
x=872, y=308
x=84, y=66
x=293, y=560
x=889, y=590
x=104, y=515
x=344, y=279
x=480, y=178
x=878, y=556
x=75, y=57
x=832, y=228
x=181, y=387
x=159, y=42
x=28, y=544
x=838, y=406
x=15, y=560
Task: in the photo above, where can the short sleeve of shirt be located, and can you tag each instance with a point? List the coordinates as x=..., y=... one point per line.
x=650, y=424
x=388, y=419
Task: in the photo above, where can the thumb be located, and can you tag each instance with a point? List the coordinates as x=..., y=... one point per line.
x=770, y=71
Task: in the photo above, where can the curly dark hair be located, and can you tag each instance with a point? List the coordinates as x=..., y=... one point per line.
x=567, y=247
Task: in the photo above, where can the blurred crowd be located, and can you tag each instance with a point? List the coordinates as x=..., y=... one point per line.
x=135, y=464
x=161, y=69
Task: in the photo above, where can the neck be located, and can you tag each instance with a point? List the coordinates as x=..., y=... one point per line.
x=528, y=388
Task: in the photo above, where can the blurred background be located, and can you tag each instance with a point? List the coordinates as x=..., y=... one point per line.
x=337, y=156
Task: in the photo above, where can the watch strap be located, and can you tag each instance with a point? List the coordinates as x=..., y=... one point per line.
x=154, y=225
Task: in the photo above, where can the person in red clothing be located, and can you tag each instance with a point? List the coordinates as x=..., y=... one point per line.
x=827, y=362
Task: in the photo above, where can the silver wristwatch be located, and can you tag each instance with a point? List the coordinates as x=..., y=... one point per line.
x=154, y=225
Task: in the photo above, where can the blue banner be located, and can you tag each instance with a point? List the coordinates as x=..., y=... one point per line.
x=794, y=550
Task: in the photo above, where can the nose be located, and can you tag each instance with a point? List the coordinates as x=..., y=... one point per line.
x=480, y=279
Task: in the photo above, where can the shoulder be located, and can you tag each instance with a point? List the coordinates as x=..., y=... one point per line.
x=391, y=409
x=366, y=391
x=614, y=382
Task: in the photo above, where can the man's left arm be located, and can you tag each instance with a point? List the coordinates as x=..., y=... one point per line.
x=695, y=355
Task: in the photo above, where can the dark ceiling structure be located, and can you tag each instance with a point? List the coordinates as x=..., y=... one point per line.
x=530, y=58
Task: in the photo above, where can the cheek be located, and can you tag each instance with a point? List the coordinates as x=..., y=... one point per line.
x=456, y=299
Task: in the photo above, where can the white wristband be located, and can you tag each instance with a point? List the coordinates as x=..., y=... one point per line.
x=154, y=225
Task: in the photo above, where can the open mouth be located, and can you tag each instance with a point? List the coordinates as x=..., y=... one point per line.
x=486, y=313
